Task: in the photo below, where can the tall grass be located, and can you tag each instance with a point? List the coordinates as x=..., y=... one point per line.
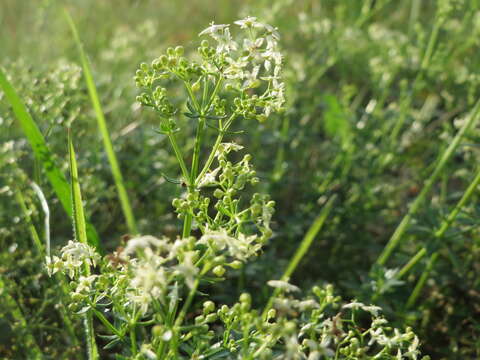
x=102, y=126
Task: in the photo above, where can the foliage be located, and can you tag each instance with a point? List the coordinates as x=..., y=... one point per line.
x=362, y=114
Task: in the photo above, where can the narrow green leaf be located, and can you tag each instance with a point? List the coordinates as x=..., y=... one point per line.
x=102, y=125
x=78, y=217
x=42, y=152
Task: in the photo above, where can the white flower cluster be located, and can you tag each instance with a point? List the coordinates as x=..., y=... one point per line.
x=250, y=62
x=153, y=266
x=74, y=255
x=240, y=247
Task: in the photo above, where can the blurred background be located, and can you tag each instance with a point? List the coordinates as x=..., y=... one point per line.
x=376, y=90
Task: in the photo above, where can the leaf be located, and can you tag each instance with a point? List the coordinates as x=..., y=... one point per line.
x=102, y=126
x=42, y=153
x=77, y=206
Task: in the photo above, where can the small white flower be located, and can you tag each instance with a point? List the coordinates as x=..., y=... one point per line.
x=209, y=178
x=225, y=148
x=283, y=285
x=143, y=242
x=354, y=305
x=74, y=255
x=372, y=309
x=249, y=22
x=85, y=283
x=307, y=305
x=187, y=268
x=214, y=29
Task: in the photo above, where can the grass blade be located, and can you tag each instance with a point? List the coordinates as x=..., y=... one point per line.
x=79, y=227
x=102, y=125
x=78, y=217
x=304, y=246
x=42, y=152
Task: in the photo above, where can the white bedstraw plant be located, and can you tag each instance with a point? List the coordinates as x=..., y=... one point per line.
x=146, y=294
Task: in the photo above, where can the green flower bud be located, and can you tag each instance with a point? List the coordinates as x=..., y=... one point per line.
x=211, y=318
x=196, y=86
x=246, y=298
x=163, y=60
x=157, y=330
x=271, y=314
x=199, y=319
x=179, y=50
x=208, y=307
x=218, y=193
x=237, y=264
x=218, y=270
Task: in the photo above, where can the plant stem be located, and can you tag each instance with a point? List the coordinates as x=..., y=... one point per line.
x=218, y=141
x=187, y=225
x=421, y=282
x=179, y=157
x=133, y=340
x=92, y=350
x=413, y=261
x=397, y=236
x=303, y=248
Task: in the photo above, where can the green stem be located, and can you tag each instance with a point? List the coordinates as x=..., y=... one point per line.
x=218, y=141
x=397, y=236
x=413, y=261
x=196, y=150
x=133, y=340
x=303, y=248
x=92, y=350
x=179, y=157
x=191, y=295
x=418, y=288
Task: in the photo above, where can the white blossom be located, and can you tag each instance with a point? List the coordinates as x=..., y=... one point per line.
x=283, y=285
